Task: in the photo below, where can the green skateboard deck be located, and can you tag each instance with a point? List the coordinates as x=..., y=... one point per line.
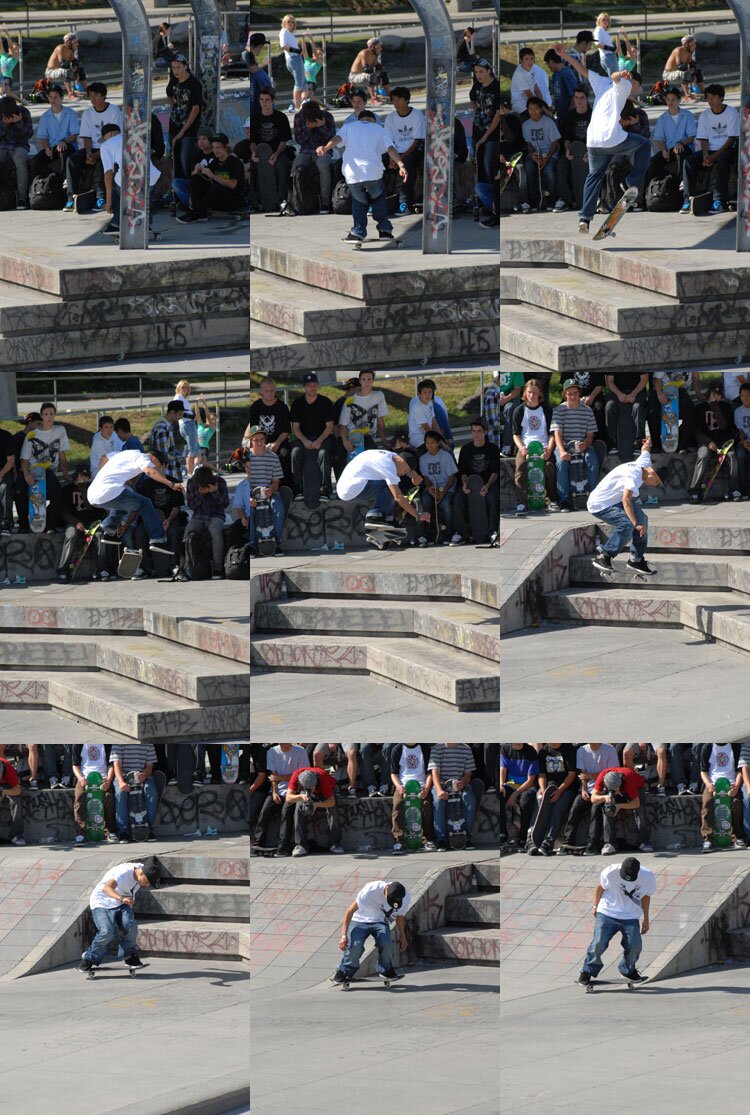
x=722, y=814
x=94, y=807
x=535, y=476
x=413, y=815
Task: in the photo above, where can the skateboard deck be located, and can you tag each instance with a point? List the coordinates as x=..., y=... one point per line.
x=265, y=538
x=357, y=244
x=670, y=416
x=357, y=438
x=413, y=815
x=721, y=458
x=722, y=834
x=230, y=762
x=384, y=537
x=88, y=538
x=578, y=476
x=579, y=169
x=185, y=767
x=541, y=821
x=93, y=972
x=589, y=988
x=700, y=204
x=130, y=563
x=94, y=807
x=617, y=571
x=535, y=476
x=507, y=202
x=455, y=821
x=266, y=177
x=38, y=499
x=378, y=978
x=258, y=850
x=479, y=523
x=84, y=202
x=399, y=515
x=137, y=810
x=613, y=218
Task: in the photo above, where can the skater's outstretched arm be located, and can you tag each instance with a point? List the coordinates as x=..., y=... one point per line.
x=582, y=70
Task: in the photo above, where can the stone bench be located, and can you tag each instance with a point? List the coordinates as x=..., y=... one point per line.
x=37, y=557
x=330, y=523
x=674, y=821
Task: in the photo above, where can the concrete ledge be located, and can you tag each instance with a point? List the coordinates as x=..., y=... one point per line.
x=329, y=524
x=212, y=1097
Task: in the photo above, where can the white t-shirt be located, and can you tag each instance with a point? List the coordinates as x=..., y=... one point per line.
x=594, y=762
x=605, y=129
x=287, y=39
x=43, y=447
x=716, y=127
x=403, y=130
x=372, y=464
x=101, y=446
x=364, y=144
x=610, y=490
x=111, y=480
x=721, y=762
x=412, y=765
x=420, y=412
x=732, y=383
x=111, y=153
x=92, y=123
x=363, y=410
x=534, y=426
x=94, y=758
x=187, y=406
x=602, y=38
x=372, y=905
x=286, y=762
x=742, y=421
x=622, y=899
x=526, y=79
x=125, y=884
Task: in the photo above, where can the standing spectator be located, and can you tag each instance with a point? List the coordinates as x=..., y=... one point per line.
x=562, y=84
x=208, y=499
x=466, y=54
x=61, y=64
x=161, y=436
x=56, y=134
x=185, y=96
x=605, y=44
x=105, y=441
x=406, y=130
x=47, y=446
x=188, y=424
x=485, y=129
x=293, y=58
x=260, y=82
x=314, y=127
x=16, y=130
x=314, y=58
x=101, y=112
x=9, y=55
x=271, y=415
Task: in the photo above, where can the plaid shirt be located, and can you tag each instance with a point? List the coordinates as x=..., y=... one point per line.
x=17, y=135
x=210, y=505
x=308, y=139
x=492, y=413
x=162, y=438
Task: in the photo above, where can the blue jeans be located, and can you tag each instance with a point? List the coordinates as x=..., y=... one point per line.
x=605, y=928
x=446, y=507
x=743, y=467
x=121, y=805
x=548, y=177
x=128, y=501
x=379, y=490
x=108, y=924
x=296, y=67
x=278, y=510
x=563, y=473
x=181, y=190
x=608, y=59
x=364, y=194
x=189, y=432
x=623, y=532
x=358, y=934
x=438, y=812
x=600, y=158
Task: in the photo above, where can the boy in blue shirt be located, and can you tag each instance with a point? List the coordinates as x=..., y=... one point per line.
x=519, y=773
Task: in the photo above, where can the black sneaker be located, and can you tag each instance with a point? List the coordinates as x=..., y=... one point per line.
x=392, y=974
x=470, y=846
x=584, y=978
x=634, y=976
x=567, y=506
x=352, y=238
x=338, y=976
x=641, y=566
x=383, y=234
x=85, y=965
x=532, y=850
x=603, y=561
x=547, y=849
x=123, y=838
x=152, y=837
x=134, y=961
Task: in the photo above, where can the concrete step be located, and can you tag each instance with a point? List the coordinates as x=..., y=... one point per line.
x=488, y=874
x=205, y=869
x=690, y=538
x=141, y=712
x=664, y=270
x=453, y=676
x=392, y=584
x=473, y=909
x=467, y=626
x=210, y=940
x=196, y=902
x=23, y=687
x=461, y=946
x=676, y=570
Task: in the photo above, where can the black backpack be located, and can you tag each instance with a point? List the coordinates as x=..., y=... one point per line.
x=47, y=191
x=196, y=564
x=663, y=195
x=614, y=184
x=341, y=198
x=237, y=563
x=305, y=190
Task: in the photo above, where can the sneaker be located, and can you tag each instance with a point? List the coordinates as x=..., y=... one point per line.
x=216, y=577
x=111, y=229
x=385, y=791
x=566, y=506
x=634, y=976
x=374, y=516
x=351, y=792
x=392, y=974
x=298, y=850
x=609, y=850
x=139, y=575
x=717, y=207
x=336, y=850
x=54, y=783
x=559, y=206
x=430, y=846
x=65, y=782
x=641, y=566
x=685, y=207
x=456, y=540
x=490, y=222
x=422, y=541
x=372, y=791
x=533, y=851
x=352, y=238
x=645, y=847
x=661, y=791
x=99, y=205
x=603, y=561
x=553, y=505
x=338, y=976
x=123, y=838
x=707, y=846
x=583, y=226
x=736, y=496
x=152, y=837
x=80, y=839
x=111, y=838
x=18, y=841
x=134, y=961
x=69, y=206
x=84, y=966
x=694, y=788
x=547, y=849
x=398, y=849
x=282, y=853
x=324, y=209
x=738, y=842
x=525, y=207
x=595, y=851
x=402, y=210
x=584, y=978
x=521, y=509
x=384, y=234
x=105, y=576
x=189, y=218
x=33, y=784
x=694, y=495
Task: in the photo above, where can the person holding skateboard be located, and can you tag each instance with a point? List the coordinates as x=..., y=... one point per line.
x=519, y=771
x=408, y=761
x=10, y=791
x=574, y=428
x=89, y=758
x=376, y=473
x=110, y=490
x=45, y=448
x=372, y=914
x=531, y=422
x=616, y=500
x=606, y=138
x=111, y=905
x=439, y=469
x=263, y=470
x=714, y=426
x=622, y=897
x=452, y=767
x=721, y=760
x=557, y=781
x=142, y=758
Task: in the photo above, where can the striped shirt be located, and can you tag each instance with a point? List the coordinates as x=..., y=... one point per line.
x=133, y=756
x=574, y=423
x=451, y=762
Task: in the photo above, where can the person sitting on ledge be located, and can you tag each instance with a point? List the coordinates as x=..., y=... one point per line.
x=409, y=764
x=16, y=130
x=208, y=499
x=312, y=453
x=714, y=429
x=314, y=128
x=717, y=134
x=56, y=135
x=617, y=790
x=479, y=457
x=218, y=187
x=310, y=789
x=10, y=791
x=263, y=470
x=78, y=515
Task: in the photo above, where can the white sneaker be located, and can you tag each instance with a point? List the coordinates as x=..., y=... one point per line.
x=18, y=841
x=559, y=206
x=609, y=850
x=104, y=575
x=694, y=788
x=736, y=496
x=520, y=509
x=372, y=791
x=351, y=792
x=707, y=846
x=525, y=207
x=645, y=847
x=456, y=540
x=681, y=788
x=739, y=843
x=298, y=850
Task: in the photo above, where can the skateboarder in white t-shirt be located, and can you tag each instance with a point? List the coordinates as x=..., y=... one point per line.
x=372, y=914
x=111, y=905
x=622, y=898
x=376, y=473
x=616, y=501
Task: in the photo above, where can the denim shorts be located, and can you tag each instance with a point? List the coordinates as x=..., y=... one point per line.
x=189, y=431
x=296, y=66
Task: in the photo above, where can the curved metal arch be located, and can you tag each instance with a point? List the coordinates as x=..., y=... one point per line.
x=136, y=122
x=741, y=9
x=208, y=56
x=441, y=98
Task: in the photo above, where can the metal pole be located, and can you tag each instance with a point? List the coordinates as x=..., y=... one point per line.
x=438, y=157
x=20, y=64
x=136, y=123
x=208, y=57
x=325, y=68
x=741, y=9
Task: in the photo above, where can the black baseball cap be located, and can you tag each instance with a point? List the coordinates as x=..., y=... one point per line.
x=395, y=893
x=310, y=377
x=629, y=869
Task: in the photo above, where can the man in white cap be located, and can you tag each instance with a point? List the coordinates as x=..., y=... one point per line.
x=111, y=904
x=616, y=500
x=372, y=914
x=622, y=897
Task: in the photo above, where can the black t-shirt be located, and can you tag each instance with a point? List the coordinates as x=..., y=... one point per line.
x=486, y=104
x=575, y=125
x=273, y=129
x=242, y=150
x=258, y=764
x=626, y=381
x=587, y=381
x=163, y=498
x=460, y=146
x=158, y=147
x=312, y=417
x=479, y=460
x=557, y=763
x=231, y=168
x=186, y=94
x=76, y=507
x=18, y=438
x=273, y=420
x=6, y=447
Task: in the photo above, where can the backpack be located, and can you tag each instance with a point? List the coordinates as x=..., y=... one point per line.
x=341, y=198
x=237, y=563
x=47, y=191
x=342, y=97
x=38, y=94
x=614, y=184
x=663, y=195
x=305, y=190
x=237, y=458
x=196, y=564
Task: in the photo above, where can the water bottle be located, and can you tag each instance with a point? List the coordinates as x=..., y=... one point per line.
x=284, y=590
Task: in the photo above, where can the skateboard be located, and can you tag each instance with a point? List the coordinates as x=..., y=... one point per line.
x=700, y=204
x=385, y=537
x=357, y=438
x=579, y=483
x=38, y=499
x=613, y=218
x=670, y=416
x=346, y=985
x=541, y=821
x=535, y=476
x=88, y=538
x=721, y=458
x=455, y=821
x=84, y=202
x=137, y=810
x=153, y=235
x=265, y=538
x=579, y=169
x=257, y=850
x=722, y=835
x=266, y=177
x=413, y=815
x=311, y=483
x=589, y=987
x=230, y=762
x=130, y=563
x=92, y=973
x=543, y=194
x=94, y=807
x=480, y=527
x=572, y=849
x=608, y=574
x=399, y=515
x=510, y=166
x=438, y=527
x=185, y=767
x=357, y=244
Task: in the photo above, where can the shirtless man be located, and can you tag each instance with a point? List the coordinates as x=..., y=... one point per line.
x=61, y=63
x=681, y=68
x=367, y=70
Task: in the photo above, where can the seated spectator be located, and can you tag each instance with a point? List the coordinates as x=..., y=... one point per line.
x=94, y=118
x=253, y=772
x=78, y=516
x=141, y=760
x=742, y=448
x=169, y=505
x=591, y=760
x=406, y=130
x=10, y=791
x=573, y=129
x=271, y=414
x=592, y=386
x=563, y=81
x=203, y=154
x=312, y=453
x=543, y=147
x=164, y=48
x=310, y=790
x=105, y=441
x=61, y=64
x=720, y=760
x=162, y=436
x=625, y=411
x=519, y=771
x=263, y=470
x=270, y=126
x=439, y=471
x=7, y=481
x=358, y=98
x=531, y=422
x=574, y=428
x=510, y=130
x=617, y=790
x=409, y=763
x=732, y=383
x=45, y=448
x=557, y=768
x=479, y=457
x=422, y=415
x=656, y=402
x=56, y=135
x=681, y=69
x=717, y=133
x=281, y=763
x=658, y=760
x=208, y=499
x=314, y=127
x=126, y=435
x=364, y=410
x=93, y=758
x=529, y=80
x=675, y=129
x=452, y=767
x=111, y=491
x=16, y=130
x=220, y=186
x=466, y=54
x=30, y=422
x=714, y=427
x=367, y=69
x=486, y=132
